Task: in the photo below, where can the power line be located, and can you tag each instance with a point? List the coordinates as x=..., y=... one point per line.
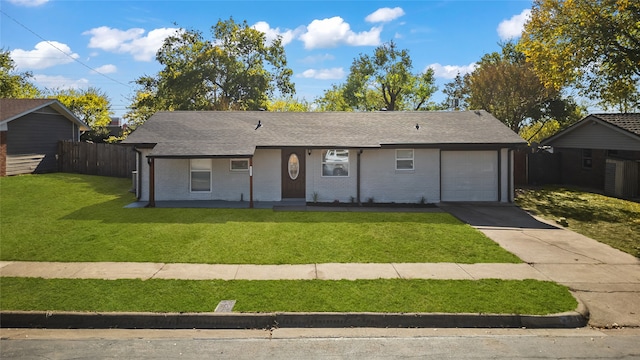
x=67, y=55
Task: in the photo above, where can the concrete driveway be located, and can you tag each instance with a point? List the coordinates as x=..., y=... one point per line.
x=605, y=279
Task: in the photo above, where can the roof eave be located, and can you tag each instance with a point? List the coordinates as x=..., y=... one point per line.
x=56, y=105
x=548, y=141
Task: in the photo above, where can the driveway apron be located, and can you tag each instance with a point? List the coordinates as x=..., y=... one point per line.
x=605, y=279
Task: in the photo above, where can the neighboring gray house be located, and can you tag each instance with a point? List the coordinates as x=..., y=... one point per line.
x=401, y=157
x=601, y=151
x=30, y=130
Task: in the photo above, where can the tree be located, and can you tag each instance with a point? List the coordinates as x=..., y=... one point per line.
x=539, y=131
x=91, y=106
x=506, y=85
x=593, y=45
x=383, y=80
x=456, y=94
x=288, y=104
x=235, y=70
x=15, y=84
x=333, y=100
x=419, y=90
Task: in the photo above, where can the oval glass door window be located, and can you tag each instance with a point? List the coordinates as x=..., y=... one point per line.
x=294, y=166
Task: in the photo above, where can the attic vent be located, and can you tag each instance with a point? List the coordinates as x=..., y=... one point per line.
x=478, y=113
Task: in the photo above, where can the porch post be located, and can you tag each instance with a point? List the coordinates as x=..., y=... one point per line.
x=251, y=182
x=358, y=177
x=152, y=187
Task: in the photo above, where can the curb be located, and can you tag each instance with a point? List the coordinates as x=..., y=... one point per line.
x=82, y=320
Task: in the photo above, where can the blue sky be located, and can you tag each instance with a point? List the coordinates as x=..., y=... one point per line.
x=109, y=43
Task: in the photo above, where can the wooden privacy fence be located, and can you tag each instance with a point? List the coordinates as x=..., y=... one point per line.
x=115, y=160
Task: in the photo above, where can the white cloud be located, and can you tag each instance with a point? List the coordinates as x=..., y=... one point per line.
x=327, y=33
x=271, y=34
x=45, y=54
x=132, y=41
x=512, y=28
x=384, y=15
x=59, y=82
x=323, y=74
x=107, y=69
x=450, y=71
x=29, y=3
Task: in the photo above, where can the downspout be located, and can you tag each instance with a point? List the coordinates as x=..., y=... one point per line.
x=358, y=177
x=251, y=182
x=499, y=175
x=152, y=190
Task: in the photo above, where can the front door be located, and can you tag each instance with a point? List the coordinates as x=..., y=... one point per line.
x=293, y=176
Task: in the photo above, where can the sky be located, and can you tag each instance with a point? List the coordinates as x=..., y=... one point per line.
x=108, y=44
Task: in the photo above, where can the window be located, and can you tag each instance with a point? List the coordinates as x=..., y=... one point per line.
x=335, y=162
x=587, y=160
x=293, y=166
x=404, y=159
x=200, y=175
x=239, y=165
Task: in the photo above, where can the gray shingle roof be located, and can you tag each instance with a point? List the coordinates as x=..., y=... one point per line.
x=11, y=109
x=628, y=121
x=229, y=133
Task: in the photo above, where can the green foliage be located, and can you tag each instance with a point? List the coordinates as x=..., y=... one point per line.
x=12, y=84
x=489, y=296
x=456, y=92
x=236, y=70
x=383, y=80
x=590, y=44
x=333, y=100
x=288, y=104
x=42, y=220
x=539, y=131
x=505, y=85
x=91, y=106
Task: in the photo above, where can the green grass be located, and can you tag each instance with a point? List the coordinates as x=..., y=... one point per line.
x=448, y=296
x=612, y=221
x=69, y=217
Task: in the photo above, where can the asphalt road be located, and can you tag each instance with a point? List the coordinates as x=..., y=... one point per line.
x=359, y=343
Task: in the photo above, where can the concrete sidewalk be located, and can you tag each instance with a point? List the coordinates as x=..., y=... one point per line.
x=330, y=271
x=605, y=279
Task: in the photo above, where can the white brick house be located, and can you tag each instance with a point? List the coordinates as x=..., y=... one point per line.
x=401, y=157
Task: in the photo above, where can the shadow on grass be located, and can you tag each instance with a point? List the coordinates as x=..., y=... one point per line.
x=568, y=203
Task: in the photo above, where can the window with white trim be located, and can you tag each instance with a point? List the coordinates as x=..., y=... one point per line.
x=200, y=175
x=404, y=159
x=239, y=165
x=335, y=162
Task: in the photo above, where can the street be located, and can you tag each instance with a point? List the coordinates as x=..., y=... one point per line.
x=357, y=343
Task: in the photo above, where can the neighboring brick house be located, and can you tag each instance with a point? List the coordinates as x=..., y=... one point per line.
x=30, y=130
x=393, y=156
x=601, y=151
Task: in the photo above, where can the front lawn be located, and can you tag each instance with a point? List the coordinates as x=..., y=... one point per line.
x=613, y=221
x=70, y=217
x=448, y=296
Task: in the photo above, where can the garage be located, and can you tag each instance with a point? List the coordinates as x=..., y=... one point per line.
x=469, y=175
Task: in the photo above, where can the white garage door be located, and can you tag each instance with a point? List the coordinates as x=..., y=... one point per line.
x=469, y=176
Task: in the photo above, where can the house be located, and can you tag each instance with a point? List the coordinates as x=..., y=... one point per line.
x=30, y=130
x=382, y=157
x=601, y=151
